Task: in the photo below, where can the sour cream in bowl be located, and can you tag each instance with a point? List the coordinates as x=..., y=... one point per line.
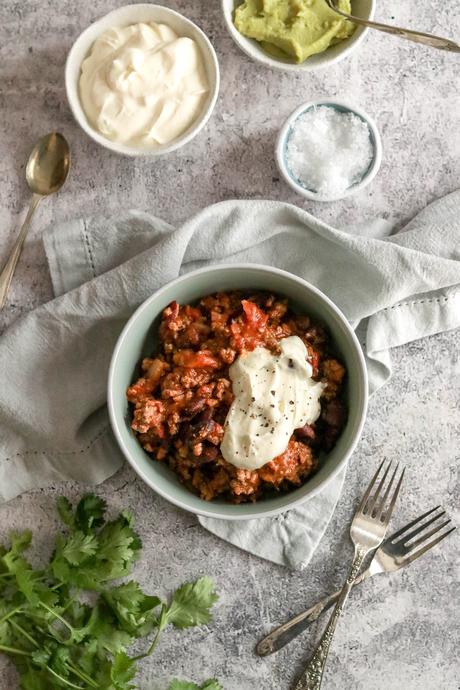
x=143, y=80
x=274, y=395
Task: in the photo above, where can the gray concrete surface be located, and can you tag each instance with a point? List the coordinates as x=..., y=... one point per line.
x=401, y=632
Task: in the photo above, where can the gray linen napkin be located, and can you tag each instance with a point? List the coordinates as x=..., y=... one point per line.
x=54, y=361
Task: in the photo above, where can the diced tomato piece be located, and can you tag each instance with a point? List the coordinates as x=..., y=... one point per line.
x=192, y=312
x=255, y=317
x=250, y=333
x=171, y=311
x=203, y=359
x=313, y=358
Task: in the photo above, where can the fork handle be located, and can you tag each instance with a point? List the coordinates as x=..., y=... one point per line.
x=287, y=632
x=312, y=676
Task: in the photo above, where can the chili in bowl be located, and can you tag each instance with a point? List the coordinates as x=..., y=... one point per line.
x=237, y=391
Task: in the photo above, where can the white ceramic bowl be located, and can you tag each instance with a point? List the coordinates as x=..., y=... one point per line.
x=139, y=339
x=132, y=14
x=283, y=139
x=360, y=8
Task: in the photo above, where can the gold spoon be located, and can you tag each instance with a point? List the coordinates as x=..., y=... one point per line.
x=416, y=36
x=46, y=172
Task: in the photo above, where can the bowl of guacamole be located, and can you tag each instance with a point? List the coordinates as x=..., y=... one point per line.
x=295, y=34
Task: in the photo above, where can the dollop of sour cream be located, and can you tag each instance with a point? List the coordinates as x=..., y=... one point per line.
x=143, y=85
x=274, y=395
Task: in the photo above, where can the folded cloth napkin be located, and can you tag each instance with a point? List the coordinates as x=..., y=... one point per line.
x=54, y=361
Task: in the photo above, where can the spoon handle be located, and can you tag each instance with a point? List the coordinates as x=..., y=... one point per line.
x=7, y=273
x=409, y=34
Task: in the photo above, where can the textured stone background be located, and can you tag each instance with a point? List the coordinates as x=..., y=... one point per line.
x=401, y=631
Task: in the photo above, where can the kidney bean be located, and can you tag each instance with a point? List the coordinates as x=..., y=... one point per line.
x=193, y=408
x=306, y=431
x=334, y=414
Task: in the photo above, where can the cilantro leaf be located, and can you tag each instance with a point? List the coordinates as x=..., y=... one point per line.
x=20, y=541
x=116, y=674
x=191, y=604
x=133, y=609
x=32, y=679
x=102, y=556
x=65, y=510
x=119, y=546
x=89, y=514
x=27, y=579
x=123, y=669
x=78, y=547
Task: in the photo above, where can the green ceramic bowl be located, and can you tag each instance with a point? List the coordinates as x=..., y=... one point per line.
x=139, y=339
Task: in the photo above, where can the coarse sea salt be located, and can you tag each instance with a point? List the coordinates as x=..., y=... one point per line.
x=328, y=150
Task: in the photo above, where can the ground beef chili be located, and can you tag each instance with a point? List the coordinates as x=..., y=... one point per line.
x=182, y=398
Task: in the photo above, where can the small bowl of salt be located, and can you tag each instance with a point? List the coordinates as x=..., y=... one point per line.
x=328, y=150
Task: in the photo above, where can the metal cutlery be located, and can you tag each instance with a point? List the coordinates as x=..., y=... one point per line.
x=397, y=551
x=367, y=532
x=46, y=172
x=409, y=34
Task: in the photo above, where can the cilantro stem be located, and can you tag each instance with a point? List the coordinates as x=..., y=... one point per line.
x=13, y=650
x=69, y=603
x=56, y=615
x=151, y=648
x=10, y=613
x=72, y=668
x=59, y=584
x=24, y=633
x=63, y=680
x=82, y=675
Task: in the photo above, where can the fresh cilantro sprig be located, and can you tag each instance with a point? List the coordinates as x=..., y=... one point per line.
x=54, y=638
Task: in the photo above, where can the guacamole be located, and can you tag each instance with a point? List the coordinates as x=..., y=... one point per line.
x=293, y=29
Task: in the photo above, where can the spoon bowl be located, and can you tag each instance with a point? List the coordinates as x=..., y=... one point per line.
x=48, y=164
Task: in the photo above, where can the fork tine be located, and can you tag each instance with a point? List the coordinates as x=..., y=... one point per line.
x=386, y=518
x=401, y=531
x=416, y=554
x=426, y=536
x=369, y=488
x=379, y=512
x=411, y=535
x=373, y=501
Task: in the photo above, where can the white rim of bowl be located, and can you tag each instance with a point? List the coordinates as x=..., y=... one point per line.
x=212, y=269
x=80, y=116
x=286, y=128
x=247, y=46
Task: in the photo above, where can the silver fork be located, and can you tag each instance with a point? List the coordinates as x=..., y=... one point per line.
x=367, y=532
x=397, y=551
x=409, y=34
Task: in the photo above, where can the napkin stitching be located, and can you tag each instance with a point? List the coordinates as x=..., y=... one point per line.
x=59, y=452
x=88, y=247
x=420, y=301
